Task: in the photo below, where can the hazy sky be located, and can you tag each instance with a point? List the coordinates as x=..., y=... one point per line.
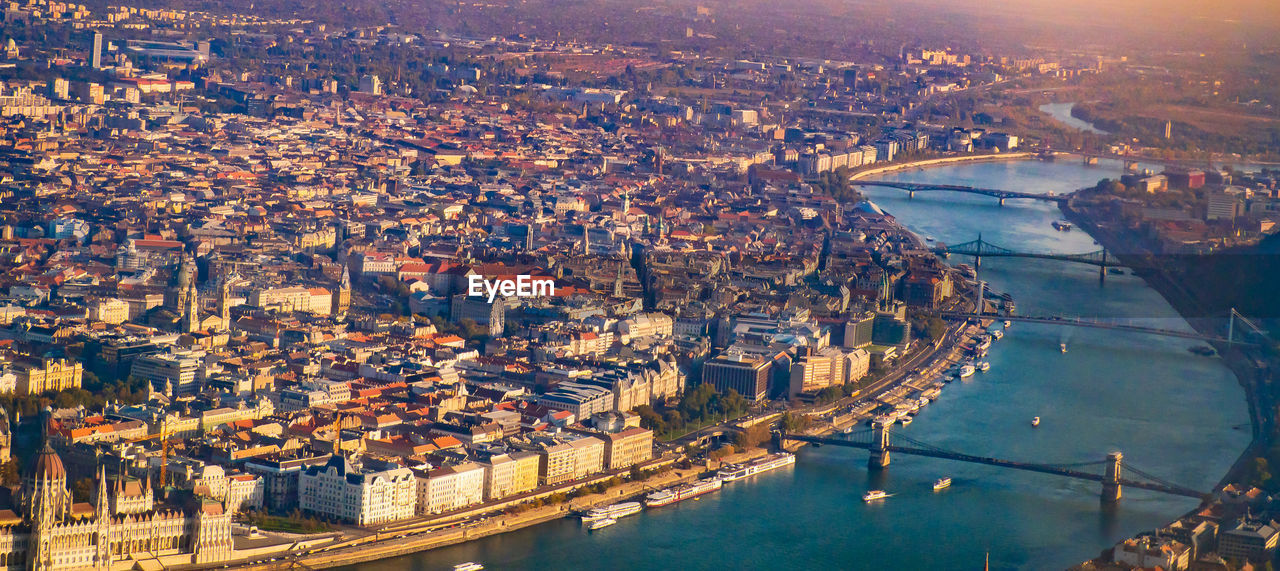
x=1258, y=11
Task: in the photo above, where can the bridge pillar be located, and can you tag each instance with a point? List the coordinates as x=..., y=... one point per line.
x=779, y=440
x=1102, y=275
x=1111, y=481
x=879, y=447
x=1001, y=202
x=911, y=194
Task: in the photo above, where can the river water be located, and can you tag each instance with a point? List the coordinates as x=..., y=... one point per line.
x=1062, y=113
x=1173, y=414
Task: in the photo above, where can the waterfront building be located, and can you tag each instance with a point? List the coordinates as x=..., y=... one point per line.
x=449, y=488
x=509, y=473
x=627, y=448
x=1248, y=539
x=361, y=494
x=51, y=532
x=1148, y=552
x=746, y=373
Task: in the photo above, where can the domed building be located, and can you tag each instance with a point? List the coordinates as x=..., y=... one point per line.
x=54, y=532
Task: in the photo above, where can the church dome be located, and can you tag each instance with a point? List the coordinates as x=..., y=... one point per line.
x=49, y=465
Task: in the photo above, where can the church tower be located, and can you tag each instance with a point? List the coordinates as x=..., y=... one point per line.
x=342, y=296
x=224, y=302
x=191, y=313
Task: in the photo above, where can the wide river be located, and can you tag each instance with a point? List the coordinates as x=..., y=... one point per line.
x=1174, y=414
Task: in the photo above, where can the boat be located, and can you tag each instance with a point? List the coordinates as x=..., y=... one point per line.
x=606, y=522
x=997, y=334
x=468, y=566
x=874, y=495
x=1115, y=271
x=615, y=511
x=770, y=462
x=1063, y=347
x=1007, y=324
x=984, y=366
x=983, y=344
x=1035, y=421
x=1061, y=225
x=905, y=420
x=966, y=370
x=942, y=483
x=682, y=492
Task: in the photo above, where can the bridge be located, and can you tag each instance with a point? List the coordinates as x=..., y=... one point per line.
x=1111, y=475
x=912, y=188
x=979, y=248
x=1232, y=336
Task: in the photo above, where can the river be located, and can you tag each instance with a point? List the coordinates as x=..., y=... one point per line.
x=1062, y=113
x=1172, y=413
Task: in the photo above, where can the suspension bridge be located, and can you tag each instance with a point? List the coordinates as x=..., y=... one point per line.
x=1249, y=337
x=980, y=248
x=912, y=188
x=1111, y=472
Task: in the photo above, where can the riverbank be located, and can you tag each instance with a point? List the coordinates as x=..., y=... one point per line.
x=942, y=161
x=406, y=538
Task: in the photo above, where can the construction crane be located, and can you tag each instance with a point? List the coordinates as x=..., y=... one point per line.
x=164, y=454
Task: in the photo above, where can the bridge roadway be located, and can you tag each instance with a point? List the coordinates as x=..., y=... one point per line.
x=1077, y=322
x=1029, y=467
x=912, y=188
x=979, y=249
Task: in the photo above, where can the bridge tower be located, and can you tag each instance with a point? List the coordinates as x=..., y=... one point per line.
x=1111, y=481
x=879, y=447
x=1102, y=269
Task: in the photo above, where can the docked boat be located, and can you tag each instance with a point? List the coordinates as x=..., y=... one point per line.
x=874, y=495
x=770, y=462
x=600, y=523
x=906, y=419
x=966, y=370
x=997, y=334
x=1062, y=347
x=468, y=566
x=682, y=492
x=1061, y=225
x=984, y=366
x=983, y=344
x=1035, y=421
x=942, y=483
x=615, y=511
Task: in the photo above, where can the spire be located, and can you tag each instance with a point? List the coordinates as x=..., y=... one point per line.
x=102, y=492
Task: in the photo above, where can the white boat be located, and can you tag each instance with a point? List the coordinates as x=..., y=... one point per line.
x=606, y=522
x=468, y=566
x=984, y=366
x=966, y=370
x=1035, y=421
x=615, y=511
x=1007, y=324
x=942, y=483
x=874, y=495
x=770, y=462
x=1063, y=347
x=984, y=343
x=905, y=420
x=682, y=492
x=997, y=334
